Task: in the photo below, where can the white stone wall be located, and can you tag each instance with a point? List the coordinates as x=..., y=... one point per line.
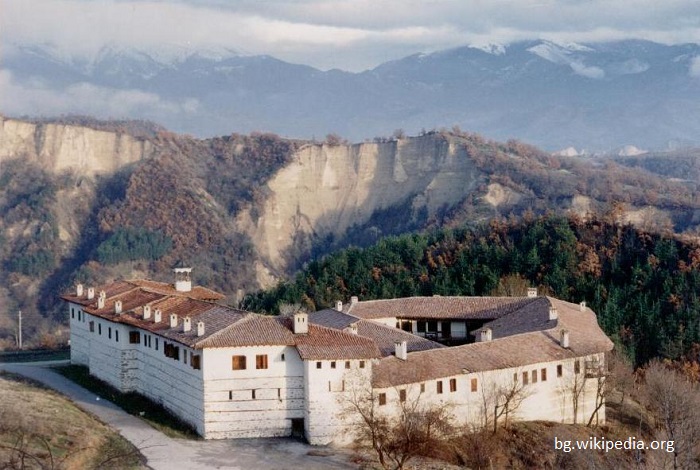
x=326, y=391
x=252, y=402
x=549, y=400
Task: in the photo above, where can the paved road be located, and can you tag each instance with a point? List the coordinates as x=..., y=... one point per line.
x=163, y=452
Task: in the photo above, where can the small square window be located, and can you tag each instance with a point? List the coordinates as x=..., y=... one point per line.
x=422, y=388
x=332, y=364
x=238, y=362
x=382, y=399
x=261, y=361
x=362, y=364
x=347, y=364
x=195, y=361
x=318, y=364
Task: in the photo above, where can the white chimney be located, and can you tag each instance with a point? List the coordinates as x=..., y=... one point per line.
x=301, y=323
x=553, y=314
x=186, y=324
x=103, y=294
x=485, y=335
x=101, y=302
x=353, y=300
x=200, y=328
x=339, y=305
x=118, y=307
x=401, y=350
x=157, y=316
x=79, y=290
x=353, y=328
x=91, y=293
x=183, y=281
x=564, y=338
x=173, y=320
x=146, y=312
x=582, y=306
x=532, y=292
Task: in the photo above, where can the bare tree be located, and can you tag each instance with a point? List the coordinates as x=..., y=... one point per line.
x=572, y=391
x=621, y=374
x=288, y=310
x=398, y=432
x=500, y=399
x=675, y=403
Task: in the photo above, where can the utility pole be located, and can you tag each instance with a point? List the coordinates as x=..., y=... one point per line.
x=19, y=330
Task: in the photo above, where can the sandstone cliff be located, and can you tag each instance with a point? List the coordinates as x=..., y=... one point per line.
x=327, y=189
x=57, y=147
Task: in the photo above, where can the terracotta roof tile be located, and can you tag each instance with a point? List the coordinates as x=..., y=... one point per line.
x=323, y=343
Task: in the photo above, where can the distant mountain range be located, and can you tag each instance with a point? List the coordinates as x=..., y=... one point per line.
x=597, y=97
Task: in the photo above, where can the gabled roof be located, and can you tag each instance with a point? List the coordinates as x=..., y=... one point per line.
x=438, y=307
x=383, y=336
x=524, y=337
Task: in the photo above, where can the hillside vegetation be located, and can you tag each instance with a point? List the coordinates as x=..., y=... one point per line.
x=211, y=204
x=642, y=285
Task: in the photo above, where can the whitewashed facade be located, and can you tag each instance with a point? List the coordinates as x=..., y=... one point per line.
x=233, y=374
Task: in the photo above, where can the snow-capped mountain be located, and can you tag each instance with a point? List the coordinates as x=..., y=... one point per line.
x=595, y=96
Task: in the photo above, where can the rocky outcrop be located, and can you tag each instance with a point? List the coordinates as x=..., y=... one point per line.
x=58, y=147
x=328, y=188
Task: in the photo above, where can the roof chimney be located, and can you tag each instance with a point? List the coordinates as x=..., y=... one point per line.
x=354, y=300
x=339, y=305
x=301, y=323
x=582, y=306
x=200, y=328
x=564, y=338
x=186, y=324
x=553, y=314
x=183, y=281
x=401, y=350
x=79, y=290
x=91, y=293
x=157, y=316
x=353, y=328
x=173, y=320
x=485, y=335
x=118, y=307
x=101, y=300
x=146, y=312
x=532, y=292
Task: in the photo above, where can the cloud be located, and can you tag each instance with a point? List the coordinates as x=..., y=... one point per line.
x=695, y=67
x=33, y=97
x=351, y=34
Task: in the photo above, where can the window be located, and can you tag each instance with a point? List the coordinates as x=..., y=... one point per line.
x=543, y=374
x=515, y=376
x=362, y=364
x=78, y=315
x=432, y=325
x=332, y=364
x=534, y=376
x=318, y=364
x=149, y=341
x=402, y=395
x=171, y=351
x=347, y=364
x=116, y=335
x=525, y=378
x=279, y=393
x=184, y=357
x=420, y=326
x=109, y=333
x=382, y=399
x=230, y=394
x=72, y=312
x=260, y=361
x=195, y=361
x=453, y=385
x=145, y=340
x=135, y=337
x=560, y=371
x=253, y=395
x=92, y=327
x=474, y=384
x=439, y=386
x=156, y=344
x=422, y=388
x=99, y=328
x=282, y=357
x=238, y=362
x=577, y=367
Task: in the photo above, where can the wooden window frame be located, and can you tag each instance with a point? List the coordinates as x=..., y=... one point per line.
x=526, y=378
x=474, y=385
x=402, y=395
x=238, y=362
x=453, y=385
x=439, y=387
x=261, y=361
x=382, y=399
x=135, y=337
x=543, y=374
x=533, y=377
x=560, y=370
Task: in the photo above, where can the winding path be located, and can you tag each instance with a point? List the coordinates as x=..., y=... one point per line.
x=166, y=453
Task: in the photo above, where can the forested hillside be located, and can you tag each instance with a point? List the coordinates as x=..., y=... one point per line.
x=642, y=285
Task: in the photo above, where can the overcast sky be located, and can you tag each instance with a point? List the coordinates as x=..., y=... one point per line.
x=346, y=34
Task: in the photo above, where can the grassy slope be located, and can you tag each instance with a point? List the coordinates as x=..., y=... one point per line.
x=51, y=432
